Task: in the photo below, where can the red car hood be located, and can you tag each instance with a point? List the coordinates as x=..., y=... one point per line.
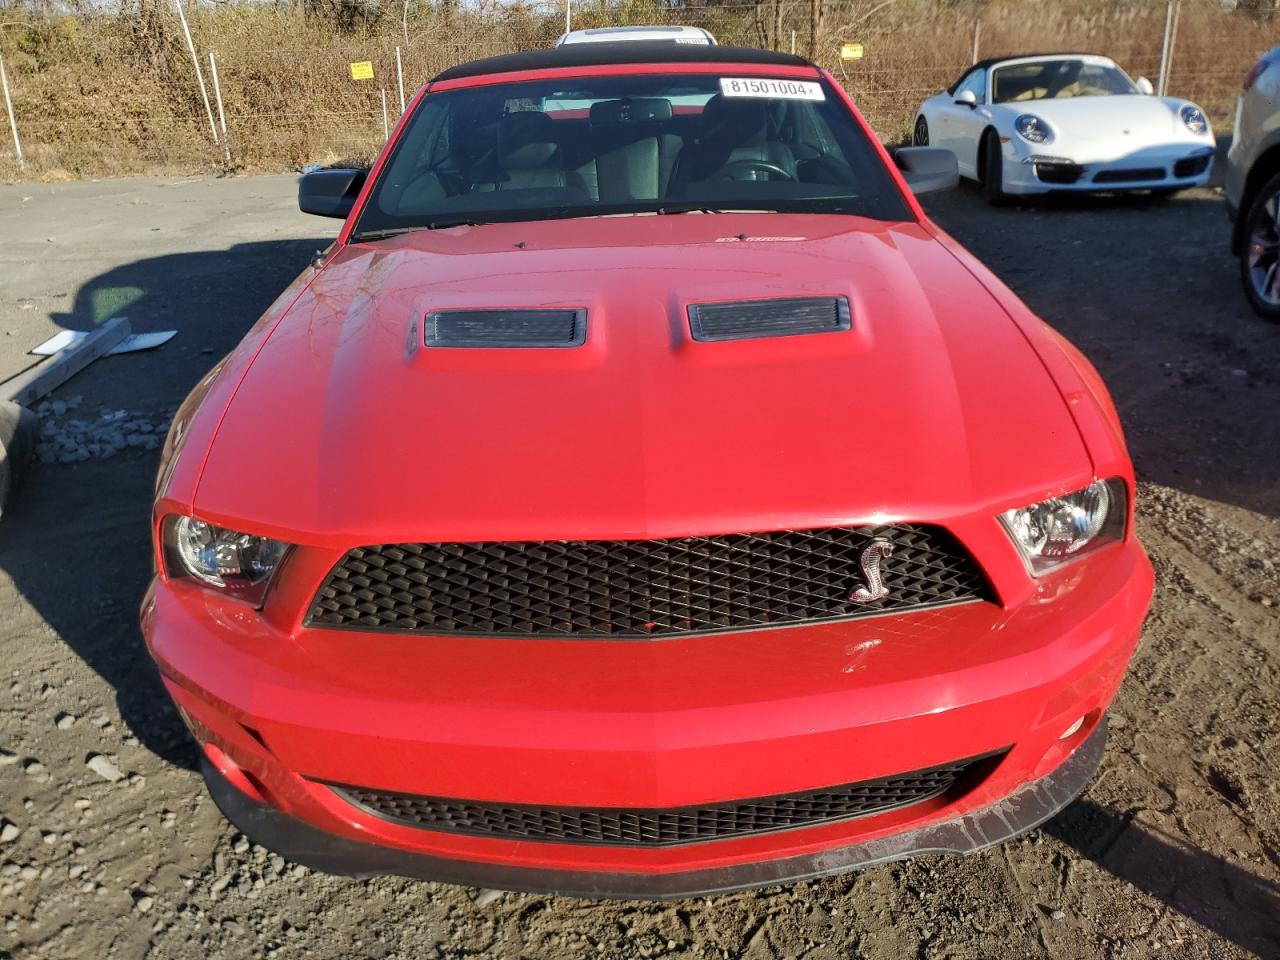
x=345, y=431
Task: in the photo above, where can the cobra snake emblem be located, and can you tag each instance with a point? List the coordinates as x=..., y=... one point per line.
x=872, y=554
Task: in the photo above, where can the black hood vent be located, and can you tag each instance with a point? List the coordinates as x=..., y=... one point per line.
x=505, y=328
x=753, y=319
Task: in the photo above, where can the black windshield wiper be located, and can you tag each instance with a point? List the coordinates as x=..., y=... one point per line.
x=686, y=208
x=441, y=224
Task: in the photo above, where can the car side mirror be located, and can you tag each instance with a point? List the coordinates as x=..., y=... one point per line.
x=927, y=169
x=330, y=193
x=1144, y=86
x=967, y=98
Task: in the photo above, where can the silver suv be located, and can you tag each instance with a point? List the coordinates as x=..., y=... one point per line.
x=1253, y=185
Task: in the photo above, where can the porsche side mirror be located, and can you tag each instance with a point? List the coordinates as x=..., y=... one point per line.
x=927, y=169
x=1144, y=86
x=967, y=98
x=330, y=193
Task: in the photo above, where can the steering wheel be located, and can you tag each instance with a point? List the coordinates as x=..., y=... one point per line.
x=743, y=166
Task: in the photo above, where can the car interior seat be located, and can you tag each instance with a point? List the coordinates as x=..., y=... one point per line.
x=633, y=148
x=528, y=153
x=736, y=129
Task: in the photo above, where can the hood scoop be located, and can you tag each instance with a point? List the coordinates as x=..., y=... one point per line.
x=756, y=319
x=505, y=328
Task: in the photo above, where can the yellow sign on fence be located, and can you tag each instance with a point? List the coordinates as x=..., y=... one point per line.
x=851, y=51
x=362, y=70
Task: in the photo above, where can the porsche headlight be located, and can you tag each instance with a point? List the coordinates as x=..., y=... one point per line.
x=1030, y=127
x=1194, y=118
x=239, y=564
x=1056, y=530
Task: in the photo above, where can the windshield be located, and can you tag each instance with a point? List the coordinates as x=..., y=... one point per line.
x=1058, y=79
x=631, y=144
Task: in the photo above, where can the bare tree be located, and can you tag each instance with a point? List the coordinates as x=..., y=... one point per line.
x=817, y=12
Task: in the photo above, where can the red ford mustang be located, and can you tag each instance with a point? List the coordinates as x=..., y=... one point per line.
x=642, y=497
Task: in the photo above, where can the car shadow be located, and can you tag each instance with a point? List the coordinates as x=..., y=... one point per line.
x=75, y=541
x=1184, y=877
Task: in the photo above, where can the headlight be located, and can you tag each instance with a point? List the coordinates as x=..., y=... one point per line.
x=1033, y=128
x=238, y=564
x=1194, y=118
x=1056, y=530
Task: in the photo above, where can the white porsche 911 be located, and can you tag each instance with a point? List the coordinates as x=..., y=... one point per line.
x=1066, y=122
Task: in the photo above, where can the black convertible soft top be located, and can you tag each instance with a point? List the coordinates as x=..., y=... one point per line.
x=605, y=53
x=992, y=61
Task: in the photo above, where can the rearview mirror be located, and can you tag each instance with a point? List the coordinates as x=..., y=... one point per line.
x=927, y=169
x=966, y=98
x=330, y=193
x=1144, y=86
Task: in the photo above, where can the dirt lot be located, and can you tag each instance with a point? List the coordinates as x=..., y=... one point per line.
x=1173, y=851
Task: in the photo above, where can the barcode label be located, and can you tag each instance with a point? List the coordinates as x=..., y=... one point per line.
x=778, y=89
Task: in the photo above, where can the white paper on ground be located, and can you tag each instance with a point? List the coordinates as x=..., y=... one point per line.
x=130, y=344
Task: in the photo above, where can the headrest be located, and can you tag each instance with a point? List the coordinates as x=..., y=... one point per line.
x=734, y=117
x=632, y=110
x=526, y=140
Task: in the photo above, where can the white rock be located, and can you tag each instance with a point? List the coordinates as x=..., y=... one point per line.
x=104, y=768
x=9, y=832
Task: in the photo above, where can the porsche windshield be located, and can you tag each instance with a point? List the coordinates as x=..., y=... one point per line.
x=628, y=144
x=1058, y=79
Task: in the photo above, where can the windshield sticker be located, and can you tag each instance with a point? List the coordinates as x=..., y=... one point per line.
x=775, y=89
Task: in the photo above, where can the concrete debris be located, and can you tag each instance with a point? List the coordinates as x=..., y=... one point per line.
x=104, y=768
x=110, y=432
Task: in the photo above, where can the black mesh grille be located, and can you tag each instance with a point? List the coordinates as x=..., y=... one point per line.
x=1191, y=166
x=673, y=825
x=505, y=328
x=1129, y=176
x=1058, y=172
x=642, y=588
x=748, y=319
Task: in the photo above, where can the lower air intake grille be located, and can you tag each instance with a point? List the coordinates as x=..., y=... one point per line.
x=1191, y=166
x=750, y=319
x=1129, y=176
x=664, y=827
x=1058, y=172
x=505, y=328
x=644, y=588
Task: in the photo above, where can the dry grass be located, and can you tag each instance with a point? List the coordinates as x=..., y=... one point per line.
x=112, y=95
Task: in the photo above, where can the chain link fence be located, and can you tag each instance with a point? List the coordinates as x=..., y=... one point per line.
x=97, y=93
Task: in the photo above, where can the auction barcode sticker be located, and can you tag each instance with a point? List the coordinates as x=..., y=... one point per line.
x=779, y=89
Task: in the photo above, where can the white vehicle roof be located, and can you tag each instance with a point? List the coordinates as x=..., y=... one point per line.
x=694, y=35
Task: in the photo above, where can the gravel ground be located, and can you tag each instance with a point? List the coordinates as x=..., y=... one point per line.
x=110, y=848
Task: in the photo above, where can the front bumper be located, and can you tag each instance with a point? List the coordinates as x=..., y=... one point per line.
x=1175, y=167
x=1017, y=813
x=662, y=724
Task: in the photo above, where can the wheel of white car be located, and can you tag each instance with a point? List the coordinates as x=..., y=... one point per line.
x=1260, y=257
x=921, y=135
x=992, y=169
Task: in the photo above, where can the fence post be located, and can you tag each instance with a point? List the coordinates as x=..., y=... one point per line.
x=567, y=28
x=1166, y=50
x=386, y=129
x=13, y=123
x=222, y=117
x=977, y=33
x=400, y=78
x=195, y=61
